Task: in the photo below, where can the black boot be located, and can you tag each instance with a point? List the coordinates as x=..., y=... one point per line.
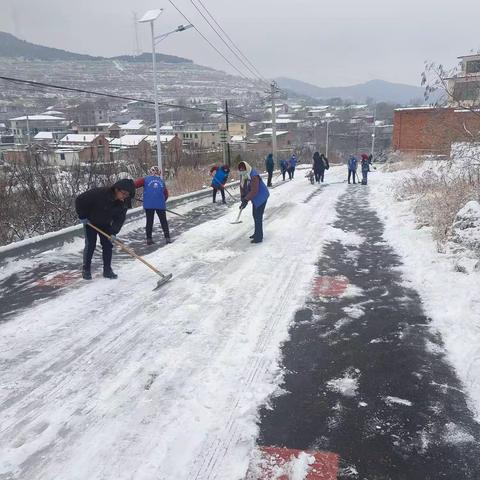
x=168, y=240
x=109, y=273
x=86, y=273
x=149, y=241
x=251, y=237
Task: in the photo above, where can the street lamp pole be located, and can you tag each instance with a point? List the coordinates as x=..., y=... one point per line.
x=326, y=143
x=157, y=113
x=150, y=17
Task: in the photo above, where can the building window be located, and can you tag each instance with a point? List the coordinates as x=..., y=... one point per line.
x=62, y=156
x=473, y=66
x=196, y=135
x=466, y=91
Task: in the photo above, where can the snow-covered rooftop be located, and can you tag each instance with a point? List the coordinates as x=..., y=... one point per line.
x=37, y=117
x=268, y=132
x=128, y=140
x=44, y=136
x=52, y=112
x=79, y=138
x=133, y=125
x=163, y=138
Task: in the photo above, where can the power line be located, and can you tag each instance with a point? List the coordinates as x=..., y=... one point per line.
x=259, y=77
x=209, y=42
x=258, y=74
x=111, y=95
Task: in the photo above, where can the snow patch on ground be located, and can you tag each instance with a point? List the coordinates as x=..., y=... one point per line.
x=354, y=311
x=456, y=435
x=346, y=385
x=396, y=400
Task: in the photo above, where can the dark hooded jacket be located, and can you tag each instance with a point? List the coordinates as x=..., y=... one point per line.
x=101, y=208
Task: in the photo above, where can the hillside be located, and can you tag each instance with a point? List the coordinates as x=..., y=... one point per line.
x=379, y=90
x=13, y=47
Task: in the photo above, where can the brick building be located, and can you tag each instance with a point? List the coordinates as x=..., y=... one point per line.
x=430, y=130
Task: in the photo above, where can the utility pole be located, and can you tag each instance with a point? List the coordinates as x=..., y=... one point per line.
x=229, y=161
x=374, y=130
x=273, y=92
x=327, y=140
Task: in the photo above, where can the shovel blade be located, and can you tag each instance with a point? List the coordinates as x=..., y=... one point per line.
x=163, y=281
x=238, y=221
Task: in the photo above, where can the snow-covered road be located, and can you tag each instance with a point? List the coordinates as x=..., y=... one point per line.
x=112, y=380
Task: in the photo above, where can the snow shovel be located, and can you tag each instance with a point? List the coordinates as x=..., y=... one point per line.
x=238, y=218
x=164, y=278
x=175, y=213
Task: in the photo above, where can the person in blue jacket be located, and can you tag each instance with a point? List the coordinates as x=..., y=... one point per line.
x=252, y=189
x=155, y=196
x=365, y=168
x=291, y=167
x=219, y=180
x=352, y=168
x=269, y=166
x=283, y=168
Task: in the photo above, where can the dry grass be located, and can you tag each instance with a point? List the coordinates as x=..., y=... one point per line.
x=438, y=193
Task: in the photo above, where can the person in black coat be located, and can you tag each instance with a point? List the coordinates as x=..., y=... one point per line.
x=106, y=208
x=320, y=164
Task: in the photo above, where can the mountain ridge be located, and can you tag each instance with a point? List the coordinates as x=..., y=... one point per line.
x=13, y=47
x=379, y=90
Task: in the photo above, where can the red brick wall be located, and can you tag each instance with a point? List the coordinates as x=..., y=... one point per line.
x=432, y=130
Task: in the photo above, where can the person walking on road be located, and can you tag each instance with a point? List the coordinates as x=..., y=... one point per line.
x=284, y=168
x=106, y=209
x=253, y=189
x=320, y=164
x=291, y=167
x=365, y=165
x=269, y=166
x=155, y=196
x=352, y=168
x=220, y=177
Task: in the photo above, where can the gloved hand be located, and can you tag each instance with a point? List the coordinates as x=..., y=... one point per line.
x=113, y=238
x=243, y=204
x=84, y=221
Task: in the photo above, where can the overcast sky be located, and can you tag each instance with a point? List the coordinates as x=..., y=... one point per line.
x=328, y=43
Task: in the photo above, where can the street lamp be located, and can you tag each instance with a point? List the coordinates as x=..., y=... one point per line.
x=326, y=143
x=150, y=17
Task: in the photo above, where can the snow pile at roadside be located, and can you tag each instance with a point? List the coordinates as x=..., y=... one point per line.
x=465, y=239
x=449, y=296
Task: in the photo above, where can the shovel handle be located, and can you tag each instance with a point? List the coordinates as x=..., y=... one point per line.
x=126, y=249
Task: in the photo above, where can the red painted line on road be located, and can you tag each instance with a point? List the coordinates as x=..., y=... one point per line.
x=330, y=286
x=276, y=464
x=59, y=280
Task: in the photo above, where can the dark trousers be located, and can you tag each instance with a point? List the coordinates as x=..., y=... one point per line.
x=269, y=179
x=364, y=177
x=222, y=191
x=283, y=174
x=290, y=173
x=91, y=242
x=162, y=215
x=319, y=175
x=258, y=219
x=352, y=173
